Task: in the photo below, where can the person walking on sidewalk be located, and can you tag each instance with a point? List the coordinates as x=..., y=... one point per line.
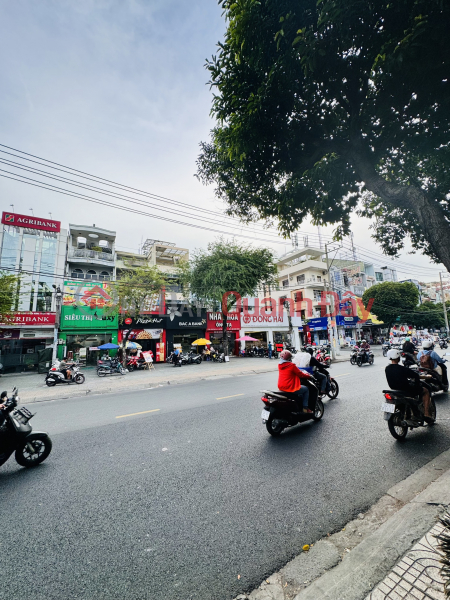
x=270, y=349
x=403, y=379
x=289, y=381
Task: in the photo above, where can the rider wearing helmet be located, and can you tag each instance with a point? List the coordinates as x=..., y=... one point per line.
x=406, y=380
x=289, y=381
x=437, y=361
x=321, y=370
x=408, y=346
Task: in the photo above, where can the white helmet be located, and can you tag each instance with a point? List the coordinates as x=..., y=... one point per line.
x=393, y=354
x=426, y=344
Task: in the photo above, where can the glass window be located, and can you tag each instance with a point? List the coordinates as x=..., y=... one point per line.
x=285, y=283
x=319, y=278
x=301, y=278
x=77, y=274
x=10, y=247
x=379, y=276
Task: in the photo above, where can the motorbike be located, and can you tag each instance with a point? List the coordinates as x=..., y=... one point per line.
x=403, y=410
x=354, y=354
x=385, y=347
x=191, y=358
x=323, y=356
x=135, y=364
x=443, y=344
x=281, y=411
x=332, y=389
x=110, y=367
x=16, y=435
x=364, y=357
x=55, y=376
x=216, y=357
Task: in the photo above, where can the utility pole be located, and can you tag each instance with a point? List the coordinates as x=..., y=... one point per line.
x=443, y=303
x=331, y=328
x=58, y=298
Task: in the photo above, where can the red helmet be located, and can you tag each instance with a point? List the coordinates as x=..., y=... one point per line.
x=286, y=355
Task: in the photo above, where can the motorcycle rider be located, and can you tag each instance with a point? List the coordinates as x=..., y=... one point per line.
x=365, y=347
x=309, y=364
x=3, y=399
x=408, y=346
x=289, y=381
x=437, y=362
x=403, y=379
x=176, y=356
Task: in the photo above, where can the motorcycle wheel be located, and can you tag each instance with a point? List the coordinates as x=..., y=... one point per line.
x=371, y=360
x=334, y=390
x=79, y=378
x=123, y=371
x=384, y=352
x=318, y=410
x=274, y=429
x=101, y=372
x=50, y=382
x=433, y=412
x=359, y=362
x=352, y=360
x=42, y=446
x=130, y=368
x=395, y=429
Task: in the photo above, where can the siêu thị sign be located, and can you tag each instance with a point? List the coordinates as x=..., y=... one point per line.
x=30, y=222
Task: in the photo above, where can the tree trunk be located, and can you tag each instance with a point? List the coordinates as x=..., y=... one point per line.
x=427, y=211
x=225, y=334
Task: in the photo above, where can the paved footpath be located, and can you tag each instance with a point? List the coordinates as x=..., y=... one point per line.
x=33, y=389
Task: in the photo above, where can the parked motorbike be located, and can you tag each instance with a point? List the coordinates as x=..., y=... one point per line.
x=403, y=410
x=55, y=376
x=216, y=357
x=190, y=358
x=135, y=364
x=110, y=367
x=281, y=411
x=16, y=434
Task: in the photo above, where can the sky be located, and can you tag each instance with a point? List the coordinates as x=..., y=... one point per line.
x=118, y=89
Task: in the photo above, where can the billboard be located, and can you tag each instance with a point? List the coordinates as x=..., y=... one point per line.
x=88, y=305
x=30, y=222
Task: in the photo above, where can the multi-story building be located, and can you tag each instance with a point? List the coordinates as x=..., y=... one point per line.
x=91, y=253
x=35, y=249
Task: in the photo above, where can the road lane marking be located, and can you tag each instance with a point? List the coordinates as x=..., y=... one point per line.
x=342, y=375
x=144, y=412
x=234, y=396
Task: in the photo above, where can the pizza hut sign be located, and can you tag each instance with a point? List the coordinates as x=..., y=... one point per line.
x=30, y=222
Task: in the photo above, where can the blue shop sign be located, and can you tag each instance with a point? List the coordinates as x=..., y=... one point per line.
x=346, y=321
x=318, y=324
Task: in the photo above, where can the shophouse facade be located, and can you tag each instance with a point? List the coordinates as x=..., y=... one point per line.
x=35, y=249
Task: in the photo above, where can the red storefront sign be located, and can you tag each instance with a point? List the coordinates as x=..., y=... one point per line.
x=36, y=319
x=30, y=222
x=214, y=321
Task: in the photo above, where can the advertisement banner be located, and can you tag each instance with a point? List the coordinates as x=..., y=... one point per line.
x=36, y=333
x=9, y=334
x=214, y=321
x=30, y=222
x=142, y=334
x=88, y=305
x=34, y=319
x=143, y=321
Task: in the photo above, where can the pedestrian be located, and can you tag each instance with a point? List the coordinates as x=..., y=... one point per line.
x=269, y=347
x=176, y=356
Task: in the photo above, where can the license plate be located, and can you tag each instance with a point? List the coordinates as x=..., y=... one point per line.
x=389, y=408
x=265, y=415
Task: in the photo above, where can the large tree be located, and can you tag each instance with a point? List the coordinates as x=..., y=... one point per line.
x=138, y=290
x=314, y=97
x=227, y=266
x=392, y=300
x=9, y=289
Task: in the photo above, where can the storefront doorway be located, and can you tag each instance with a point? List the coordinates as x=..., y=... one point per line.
x=81, y=346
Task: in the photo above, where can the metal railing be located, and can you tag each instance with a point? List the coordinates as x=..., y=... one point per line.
x=85, y=253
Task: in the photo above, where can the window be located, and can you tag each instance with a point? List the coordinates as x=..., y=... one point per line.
x=317, y=295
x=77, y=274
x=379, y=276
x=91, y=274
x=285, y=283
x=319, y=278
x=105, y=275
x=298, y=296
x=301, y=278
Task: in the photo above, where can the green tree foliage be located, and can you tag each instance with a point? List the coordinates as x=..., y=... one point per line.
x=314, y=97
x=9, y=287
x=138, y=289
x=228, y=267
x=392, y=300
x=427, y=315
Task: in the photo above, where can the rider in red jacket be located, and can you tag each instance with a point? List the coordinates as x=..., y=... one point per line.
x=289, y=381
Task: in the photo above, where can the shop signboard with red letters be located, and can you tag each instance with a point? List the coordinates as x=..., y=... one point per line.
x=30, y=222
x=30, y=319
x=214, y=321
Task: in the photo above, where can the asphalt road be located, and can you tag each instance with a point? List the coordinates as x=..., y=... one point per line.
x=176, y=504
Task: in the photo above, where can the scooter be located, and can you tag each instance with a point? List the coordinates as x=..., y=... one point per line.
x=110, y=367
x=402, y=410
x=281, y=411
x=443, y=344
x=191, y=358
x=16, y=434
x=433, y=380
x=55, y=376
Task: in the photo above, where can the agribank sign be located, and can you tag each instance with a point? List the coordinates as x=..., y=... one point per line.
x=30, y=222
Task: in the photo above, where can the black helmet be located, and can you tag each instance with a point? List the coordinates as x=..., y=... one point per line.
x=4, y=395
x=310, y=350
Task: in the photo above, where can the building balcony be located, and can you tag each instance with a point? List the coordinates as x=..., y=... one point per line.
x=92, y=277
x=83, y=255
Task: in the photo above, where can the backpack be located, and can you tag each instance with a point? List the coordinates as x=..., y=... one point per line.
x=426, y=362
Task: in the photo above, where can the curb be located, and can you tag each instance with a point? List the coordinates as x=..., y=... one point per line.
x=350, y=563
x=140, y=386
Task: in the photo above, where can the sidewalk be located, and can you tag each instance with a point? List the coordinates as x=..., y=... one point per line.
x=33, y=389
x=388, y=553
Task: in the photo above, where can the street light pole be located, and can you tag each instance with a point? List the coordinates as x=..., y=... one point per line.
x=332, y=329
x=443, y=303
x=58, y=298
